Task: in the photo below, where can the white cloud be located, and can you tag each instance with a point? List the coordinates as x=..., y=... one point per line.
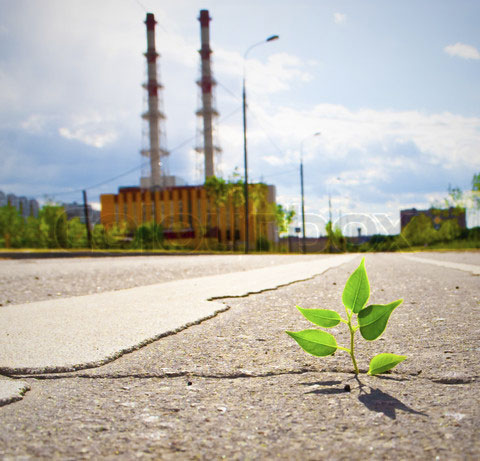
x=35, y=123
x=340, y=18
x=94, y=130
x=278, y=73
x=444, y=138
x=95, y=139
x=462, y=50
x=386, y=160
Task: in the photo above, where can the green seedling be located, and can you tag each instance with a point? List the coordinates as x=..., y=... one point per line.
x=370, y=320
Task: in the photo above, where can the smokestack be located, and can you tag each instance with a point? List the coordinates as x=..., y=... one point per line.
x=153, y=115
x=207, y=83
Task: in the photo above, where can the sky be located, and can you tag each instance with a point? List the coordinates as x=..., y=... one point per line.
x=392, y=87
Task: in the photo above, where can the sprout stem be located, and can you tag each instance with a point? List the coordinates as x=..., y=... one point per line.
x=352, y=345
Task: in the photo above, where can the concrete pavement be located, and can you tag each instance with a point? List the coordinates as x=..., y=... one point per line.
x=237, y=387
x=86, y=331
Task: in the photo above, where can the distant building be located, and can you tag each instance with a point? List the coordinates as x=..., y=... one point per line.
x=77, y=210
x=187, y=212
x=26, y=207
x=438, y=216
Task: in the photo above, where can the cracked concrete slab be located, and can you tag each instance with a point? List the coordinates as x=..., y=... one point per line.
x=238, y=387
x=87, y=331
x=12, y=390
x=475, y=270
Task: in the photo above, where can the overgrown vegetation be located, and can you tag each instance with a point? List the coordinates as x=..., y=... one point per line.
x=51, y=229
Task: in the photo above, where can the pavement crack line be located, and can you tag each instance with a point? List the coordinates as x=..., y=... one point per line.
x=6, y=371
x=265, y=290
x=33, y=372
x=167, y=375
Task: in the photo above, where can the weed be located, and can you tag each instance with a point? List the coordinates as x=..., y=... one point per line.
x=370, y=320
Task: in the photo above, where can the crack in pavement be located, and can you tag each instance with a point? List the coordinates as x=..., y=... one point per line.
x=169, y=375
x=7, y=371
x=88, y=331
x=450, y=380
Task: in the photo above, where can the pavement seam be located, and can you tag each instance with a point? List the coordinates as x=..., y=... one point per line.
x=12, y=372
x=168, y=375
x=450, y=380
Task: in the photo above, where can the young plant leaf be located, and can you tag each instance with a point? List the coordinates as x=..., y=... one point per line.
x=384, y=362
x=322, y=317
x=373, y=319
x=357, y=289
x=315, y=342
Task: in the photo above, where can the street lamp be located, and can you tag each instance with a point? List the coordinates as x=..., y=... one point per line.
x=304, y=248
x=244, y=97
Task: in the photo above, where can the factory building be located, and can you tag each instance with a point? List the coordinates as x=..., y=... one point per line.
x=187, y=213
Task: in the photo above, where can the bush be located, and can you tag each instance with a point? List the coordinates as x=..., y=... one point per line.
x=449, y=230
x=148, y=236
x=419, y=231
x=262, y=244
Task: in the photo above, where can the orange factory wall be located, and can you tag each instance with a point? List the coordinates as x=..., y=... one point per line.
x=187, y=212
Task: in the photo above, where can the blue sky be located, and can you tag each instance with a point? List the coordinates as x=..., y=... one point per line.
x=393, y=87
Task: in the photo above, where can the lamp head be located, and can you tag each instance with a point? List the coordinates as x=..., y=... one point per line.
x=272, y=38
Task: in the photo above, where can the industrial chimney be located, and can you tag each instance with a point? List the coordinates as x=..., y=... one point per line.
x=155, y=151
x=207, y=112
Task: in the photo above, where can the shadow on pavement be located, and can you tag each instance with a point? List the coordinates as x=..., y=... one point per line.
x=375, y=400
x=381, y=402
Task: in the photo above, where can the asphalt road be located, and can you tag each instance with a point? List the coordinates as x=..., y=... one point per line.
x=237, y=387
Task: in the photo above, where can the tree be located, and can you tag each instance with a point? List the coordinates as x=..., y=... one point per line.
x=261, y=211
x=217, y=191
x=449, y=230
x=476, y=190
x=53, y=225
x=283, y=218
x=236, y=196
x=455, y=198
x=11, y=226
x=419, y=231
x=33, y=236
x=148, y=236
x=76, y=234
x=458, y=199
x=335, y=239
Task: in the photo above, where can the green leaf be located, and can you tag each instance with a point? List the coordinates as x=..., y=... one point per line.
x=373, y=319
x=384, y=362
x=322, y=317
x=315, y=342
x=357, y=289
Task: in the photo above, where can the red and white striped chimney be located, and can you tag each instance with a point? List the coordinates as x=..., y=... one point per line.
x=153, y=115
x=207, y=84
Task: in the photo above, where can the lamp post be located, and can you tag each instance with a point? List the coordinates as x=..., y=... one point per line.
x=304, y=247
x=245, y=161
